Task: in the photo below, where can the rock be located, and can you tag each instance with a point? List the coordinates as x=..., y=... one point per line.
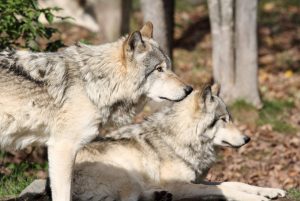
x=38, y=186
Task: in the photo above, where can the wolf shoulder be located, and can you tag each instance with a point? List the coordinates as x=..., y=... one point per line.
x=44, y=72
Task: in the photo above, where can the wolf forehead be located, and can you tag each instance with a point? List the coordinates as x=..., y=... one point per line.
x=221, y=109
x=155, y=55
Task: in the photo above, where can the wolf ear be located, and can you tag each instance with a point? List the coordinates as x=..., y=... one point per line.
x=215, y=89
x=147, y=30
x=134, y=40
x=206, y=93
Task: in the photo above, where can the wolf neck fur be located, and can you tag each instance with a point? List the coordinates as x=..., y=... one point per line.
x=183, y=140
x=106, y=77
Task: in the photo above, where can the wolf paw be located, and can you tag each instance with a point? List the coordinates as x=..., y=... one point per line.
x=162, y=196
x=248, y=197
x=272, y=192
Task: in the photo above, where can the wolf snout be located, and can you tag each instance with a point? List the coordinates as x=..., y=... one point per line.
x=246, y=139
x=188, y=90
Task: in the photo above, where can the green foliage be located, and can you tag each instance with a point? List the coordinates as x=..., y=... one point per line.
x=20, y=25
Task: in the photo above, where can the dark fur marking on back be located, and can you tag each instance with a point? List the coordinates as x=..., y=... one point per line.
x=42, y=73
x=18, y=71
x=9, y=62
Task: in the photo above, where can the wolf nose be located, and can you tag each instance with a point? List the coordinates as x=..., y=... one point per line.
x=188, y=90
x=247, y=139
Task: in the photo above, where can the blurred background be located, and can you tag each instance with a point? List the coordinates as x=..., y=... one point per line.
x=252, y=48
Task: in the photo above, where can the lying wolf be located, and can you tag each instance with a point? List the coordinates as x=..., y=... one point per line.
x=171, y=150
x=60, y=99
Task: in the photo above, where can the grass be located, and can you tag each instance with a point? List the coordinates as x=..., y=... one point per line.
x=280, y=3
x=241, y=109
x=242, y=105
x=294, y=194
x=87, y=42
x=12, y=184
x=273, y=113
x=277, y=9
x=183, y=6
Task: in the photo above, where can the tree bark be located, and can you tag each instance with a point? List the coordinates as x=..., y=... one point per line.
x=246, y=51
x=234, y=42
x=161, y=14
x=221, y=19
x=112, y=16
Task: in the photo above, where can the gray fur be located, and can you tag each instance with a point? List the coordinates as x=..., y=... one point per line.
x=61, y=99
x=172, y=150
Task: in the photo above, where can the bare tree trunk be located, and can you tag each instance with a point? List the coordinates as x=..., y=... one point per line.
x=221, y=19
x=233, y=26
x=161, y=14
x=246, y=51
x=112, y=17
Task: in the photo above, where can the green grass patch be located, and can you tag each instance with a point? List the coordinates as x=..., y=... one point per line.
x=136, y=5
x=245, y=113
x=242, y=105
x=12, y=184
x=183, y=6
x=278, y=8
x=84, y=41
x=276, y=107
x=2, y=155
x=294, y=194
x=274, y=113
x=279, y=3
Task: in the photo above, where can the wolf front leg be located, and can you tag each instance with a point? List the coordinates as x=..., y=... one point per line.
x=183, y=191
x=266, y=192
x=61, y=157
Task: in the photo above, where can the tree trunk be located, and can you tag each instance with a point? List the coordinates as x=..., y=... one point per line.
x=246, y=84
x=112, y=17
x=221, y=19
x=234, y=38
x=161, y=14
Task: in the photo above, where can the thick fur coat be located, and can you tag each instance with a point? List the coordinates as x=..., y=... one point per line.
x=171, y=150
x=61, y=99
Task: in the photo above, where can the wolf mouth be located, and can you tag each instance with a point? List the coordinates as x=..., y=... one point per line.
x=231, y=145
x=173, y=100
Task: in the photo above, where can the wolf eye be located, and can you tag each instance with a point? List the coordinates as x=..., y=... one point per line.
x=223, y=118
x=159, y=69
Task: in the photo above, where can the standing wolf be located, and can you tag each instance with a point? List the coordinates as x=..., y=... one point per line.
x=171, y=150
x=60, y=99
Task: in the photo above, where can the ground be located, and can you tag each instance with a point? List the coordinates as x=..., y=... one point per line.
x=272, y=158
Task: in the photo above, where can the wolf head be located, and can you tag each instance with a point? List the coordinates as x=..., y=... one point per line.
x=128, y=69
x=211, y=118
x=153, y=67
